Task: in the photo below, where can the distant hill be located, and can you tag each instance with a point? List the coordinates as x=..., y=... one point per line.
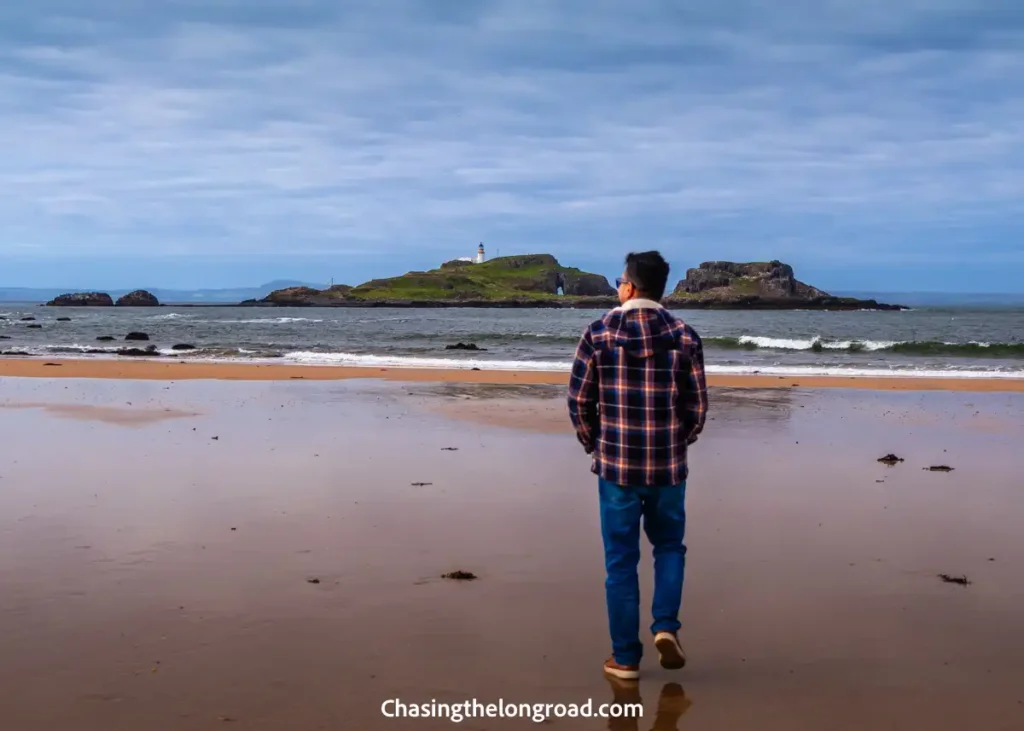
x=166, y=296
x=947, y=299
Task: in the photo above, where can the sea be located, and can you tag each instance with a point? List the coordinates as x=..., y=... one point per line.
x=940, y=341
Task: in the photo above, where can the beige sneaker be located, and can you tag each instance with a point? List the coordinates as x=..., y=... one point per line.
x=622, y=672
x=670, y=652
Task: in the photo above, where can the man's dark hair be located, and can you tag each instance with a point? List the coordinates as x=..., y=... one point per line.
x=648, y=272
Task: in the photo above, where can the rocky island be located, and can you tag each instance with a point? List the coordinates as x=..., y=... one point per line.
x=138, y=298
x=758, y=285
x=539, y=280
x=82, y=299
x=533, y=280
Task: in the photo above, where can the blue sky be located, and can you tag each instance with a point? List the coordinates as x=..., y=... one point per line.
x=873, y=144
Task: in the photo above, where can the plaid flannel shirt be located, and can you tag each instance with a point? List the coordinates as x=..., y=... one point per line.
x=637, y=394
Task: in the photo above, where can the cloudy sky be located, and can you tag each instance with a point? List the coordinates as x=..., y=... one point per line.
x=873, y=144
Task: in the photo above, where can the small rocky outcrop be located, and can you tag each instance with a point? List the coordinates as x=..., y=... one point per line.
x=34, y=327
x=757, y=285
x=183, y=346
x=295, y=296
x=582, y=284
x=63, y=319
x=456, y=264
x=465, y=346
x=82, y=299
x=106, y=338
x=136, y=336
x=149, y=350
x=138, y=298
x=767, y=279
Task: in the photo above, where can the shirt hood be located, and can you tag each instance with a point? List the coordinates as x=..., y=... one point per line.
x=643, y=328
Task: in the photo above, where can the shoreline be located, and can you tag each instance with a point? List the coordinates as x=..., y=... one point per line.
x=180, y=370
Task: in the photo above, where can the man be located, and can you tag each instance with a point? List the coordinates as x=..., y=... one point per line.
x=638, y=399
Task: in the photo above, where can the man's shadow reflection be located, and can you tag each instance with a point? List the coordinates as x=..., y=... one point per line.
x=672, y=704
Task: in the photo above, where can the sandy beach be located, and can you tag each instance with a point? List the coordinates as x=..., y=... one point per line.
x=182, y=370
x=180, y=553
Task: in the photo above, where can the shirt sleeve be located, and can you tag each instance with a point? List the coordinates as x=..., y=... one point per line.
x=695, y=406
x=583, y=392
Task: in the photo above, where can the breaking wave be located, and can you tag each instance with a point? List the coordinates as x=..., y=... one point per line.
x=906, y=347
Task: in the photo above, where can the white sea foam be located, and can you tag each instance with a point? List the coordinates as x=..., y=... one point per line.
x=807, y=344
x=268, y=321
x=396, y=361
x=382, y=361
x=313, y=359
x=896, y=372
x=247, y=321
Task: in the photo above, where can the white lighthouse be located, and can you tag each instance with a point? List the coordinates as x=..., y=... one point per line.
x=480, y=254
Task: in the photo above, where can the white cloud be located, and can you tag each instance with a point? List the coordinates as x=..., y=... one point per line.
x=187, y=134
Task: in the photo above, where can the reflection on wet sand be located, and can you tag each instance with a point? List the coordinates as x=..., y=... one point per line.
x=672, y=704
x=542, y=409
x=107, y=414
x=755, y=405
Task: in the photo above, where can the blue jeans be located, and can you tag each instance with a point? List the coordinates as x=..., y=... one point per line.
x=664, y=517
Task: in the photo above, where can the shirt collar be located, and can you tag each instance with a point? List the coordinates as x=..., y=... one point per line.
x=639, y=304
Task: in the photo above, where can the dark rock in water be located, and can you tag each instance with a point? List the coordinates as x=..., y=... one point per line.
x=28, y=319
x=13, y=352
x=106, y=338
x=939, y=468
x=82, y=299
x=149, y=351
x=136, y=336
x=465, y=346
x=63, y=319
x=34, y=327
x=890, y=459
x=421, y=484
x=5, y=337
x=312, y=581
x=460, y=576
x=138, y=298
x=183, y=346
x=960, y=580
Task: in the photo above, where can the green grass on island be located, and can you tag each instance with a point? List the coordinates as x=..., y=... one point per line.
x=530, y=277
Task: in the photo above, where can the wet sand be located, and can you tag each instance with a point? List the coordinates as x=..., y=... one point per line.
x=154, y=572
x=180, y=370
